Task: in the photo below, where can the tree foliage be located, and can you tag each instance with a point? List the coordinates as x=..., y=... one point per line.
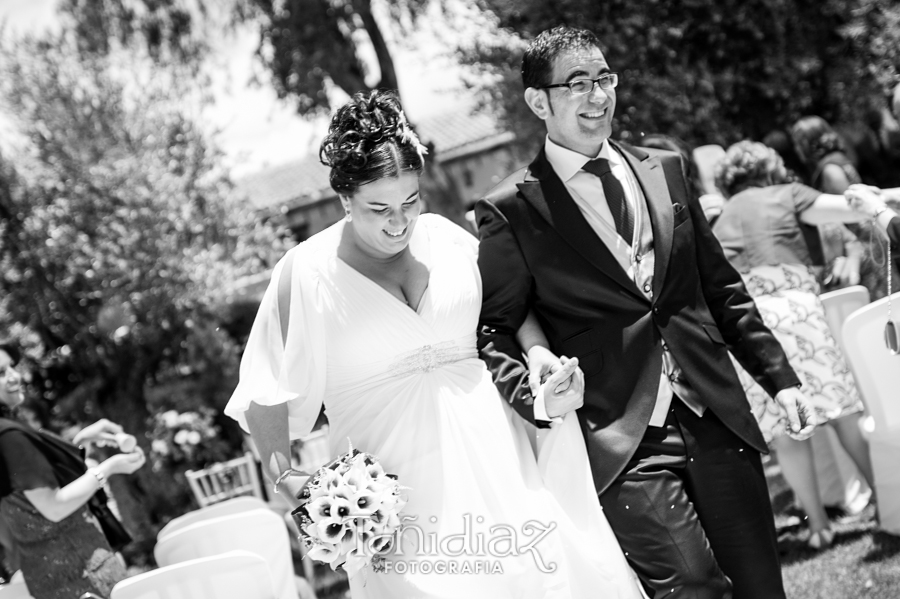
x=120, y=238
x=875, y=32
x=173, y=31
x=708, y=71
x=306, y=47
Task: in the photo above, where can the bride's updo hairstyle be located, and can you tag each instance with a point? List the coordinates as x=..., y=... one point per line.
x=369, y=139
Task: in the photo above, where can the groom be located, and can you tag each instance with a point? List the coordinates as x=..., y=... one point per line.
x=604, y=243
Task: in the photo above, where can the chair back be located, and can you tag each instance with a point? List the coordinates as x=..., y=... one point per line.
x=216, y=510
x=840, y=304
x=15, y=590
x=225, y=480
x=232, y=575
x=259, y=531
x=877, y=372
x=706, y=158
x=311, y=451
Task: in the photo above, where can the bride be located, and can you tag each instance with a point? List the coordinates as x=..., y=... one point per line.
x=375, y=319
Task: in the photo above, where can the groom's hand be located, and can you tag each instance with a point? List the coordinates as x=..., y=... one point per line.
x=564, y=388
x=800, y=414
x=541, y=363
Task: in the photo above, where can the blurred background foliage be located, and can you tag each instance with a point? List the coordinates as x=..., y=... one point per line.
x=711, y=71
x=121, y=237
x=120, y=240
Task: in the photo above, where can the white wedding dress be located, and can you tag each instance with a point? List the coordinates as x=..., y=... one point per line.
x=409, y=388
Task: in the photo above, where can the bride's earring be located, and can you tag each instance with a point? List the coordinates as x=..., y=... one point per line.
x=347, y=215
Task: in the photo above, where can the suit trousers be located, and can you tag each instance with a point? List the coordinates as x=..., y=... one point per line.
x=692, y=513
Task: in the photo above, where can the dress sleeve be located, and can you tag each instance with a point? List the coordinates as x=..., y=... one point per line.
x=457, y=237
x=25, y=466
x=803, y=196
x=277, y=369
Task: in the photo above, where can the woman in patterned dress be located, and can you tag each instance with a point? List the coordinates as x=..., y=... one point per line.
x=768, y=231
x=44, y=493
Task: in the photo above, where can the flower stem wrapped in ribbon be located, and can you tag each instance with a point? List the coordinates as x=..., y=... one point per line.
x=350, y=513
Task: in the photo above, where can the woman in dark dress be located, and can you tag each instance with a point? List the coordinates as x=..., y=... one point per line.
x=45, y=489
x=830, y=170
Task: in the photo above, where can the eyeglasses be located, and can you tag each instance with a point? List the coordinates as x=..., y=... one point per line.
x=580, y=87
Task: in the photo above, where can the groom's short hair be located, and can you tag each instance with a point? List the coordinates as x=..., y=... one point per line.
x=537, y=63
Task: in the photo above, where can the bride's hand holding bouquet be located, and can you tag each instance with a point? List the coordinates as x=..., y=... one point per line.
x=350, y=512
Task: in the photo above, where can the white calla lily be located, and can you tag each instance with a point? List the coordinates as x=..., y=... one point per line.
x=320, y=508
x=330, y=530
x=325, y=552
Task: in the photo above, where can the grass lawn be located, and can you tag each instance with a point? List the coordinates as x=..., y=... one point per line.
x=862, y=563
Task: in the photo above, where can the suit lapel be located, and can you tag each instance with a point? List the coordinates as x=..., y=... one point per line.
x=544, y=190
x=652, y=179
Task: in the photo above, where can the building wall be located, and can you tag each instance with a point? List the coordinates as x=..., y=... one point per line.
x=307, y=220
x=476, y=174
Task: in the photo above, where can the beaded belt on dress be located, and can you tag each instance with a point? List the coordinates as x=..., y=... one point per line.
x=428, y=358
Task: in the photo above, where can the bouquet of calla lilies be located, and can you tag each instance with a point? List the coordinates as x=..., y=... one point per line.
x=350, y=512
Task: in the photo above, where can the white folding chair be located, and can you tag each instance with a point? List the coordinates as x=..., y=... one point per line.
x=232, y=575
x=840, y=304
x=216, y=510
x=311, y=452
x=260, y=531
x=840, y=482
x=15, y=590
x=225, y=480
x=706, y=158
x=308, y=454
x=877, y=375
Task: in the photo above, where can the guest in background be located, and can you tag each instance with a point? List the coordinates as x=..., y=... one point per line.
x=829, y=169
x=9, y=559
x=843, y=256
x=780, y=141
x=876, y=204
x=824, y=155
x=765, y=229
x=876, y=142
x=688, y=166
x=842, y=251
x=710, y=200
x=46, y=490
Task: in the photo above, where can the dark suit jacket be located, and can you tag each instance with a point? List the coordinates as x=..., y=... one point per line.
x=538, y=251
x=893, y=230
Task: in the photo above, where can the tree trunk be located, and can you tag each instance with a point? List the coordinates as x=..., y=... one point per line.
x=382, y=52
x=441, y=192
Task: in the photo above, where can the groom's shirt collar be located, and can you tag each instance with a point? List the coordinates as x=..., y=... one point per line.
x=567, y=162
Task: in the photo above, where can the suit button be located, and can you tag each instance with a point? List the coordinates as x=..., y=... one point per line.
x=656, y=309
x=647, y=287
x=665, y=347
